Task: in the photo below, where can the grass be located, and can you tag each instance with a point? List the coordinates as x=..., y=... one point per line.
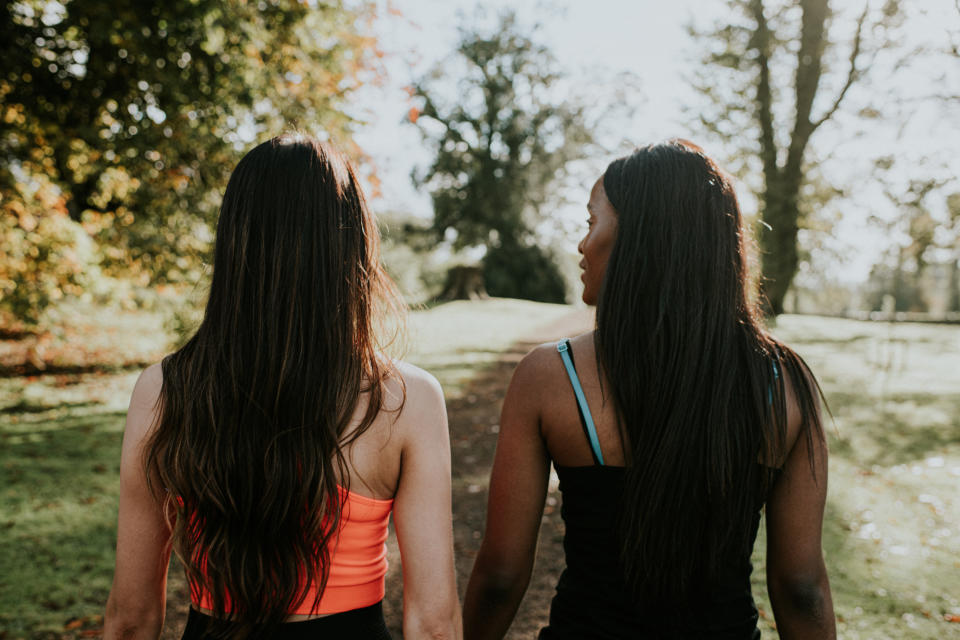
x=892, y=532
x=60, y=441
x=58, y=470
x=455, y=340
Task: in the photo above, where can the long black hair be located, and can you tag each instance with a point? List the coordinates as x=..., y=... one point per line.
x=696, y=380
x=255, y=407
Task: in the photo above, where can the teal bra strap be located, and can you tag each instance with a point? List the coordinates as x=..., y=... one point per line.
x=776, y=376
x=564, y=348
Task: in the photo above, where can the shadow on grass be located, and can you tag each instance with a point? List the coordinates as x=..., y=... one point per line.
x=59, y=459
x=30, y=369
x=24, y=406
x=898, y=429
x=872, y=591
x=57, y=517
x=58, y=571
x=838, y=340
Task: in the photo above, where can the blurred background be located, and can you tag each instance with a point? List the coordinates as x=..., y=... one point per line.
x=478, y=130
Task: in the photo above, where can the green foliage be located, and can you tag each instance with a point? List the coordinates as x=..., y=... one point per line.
x=183, y=321
x=541, y=280
x=502, y=144
x=407, y=250
x=46, y=255
x=136, y=112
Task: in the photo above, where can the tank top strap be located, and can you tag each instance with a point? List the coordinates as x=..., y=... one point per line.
x=586, y=420
x=776, y=376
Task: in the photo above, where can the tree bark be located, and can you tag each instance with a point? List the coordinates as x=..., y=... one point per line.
x=953, y=284
x=783, y=179
x=464, y=283
x=778, y=244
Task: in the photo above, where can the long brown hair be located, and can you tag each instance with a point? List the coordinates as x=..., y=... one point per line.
x=248, y=450
x=696, y=379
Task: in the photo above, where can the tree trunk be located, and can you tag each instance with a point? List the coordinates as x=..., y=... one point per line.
x=953, y=284
x=464, y=283
x=899, y=296
x=77, y=194
x=780, y=213
x=778, y=244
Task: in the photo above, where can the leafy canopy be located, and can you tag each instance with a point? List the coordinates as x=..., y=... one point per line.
x=503, y=141
x=132, y=114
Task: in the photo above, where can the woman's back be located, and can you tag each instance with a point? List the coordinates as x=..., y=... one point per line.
x=593, y=598
x=372, y=471
x=694, y=406
x=269, y=450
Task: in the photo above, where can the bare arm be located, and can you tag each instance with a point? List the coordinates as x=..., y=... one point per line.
x=137, y=600
x=518, y=487
x=796, y=574
x=423, y=516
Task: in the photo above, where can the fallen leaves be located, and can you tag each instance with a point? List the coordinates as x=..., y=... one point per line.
x=85, y=626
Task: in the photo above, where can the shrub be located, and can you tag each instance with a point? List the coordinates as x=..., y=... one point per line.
x=527, y=272
x=44, y=255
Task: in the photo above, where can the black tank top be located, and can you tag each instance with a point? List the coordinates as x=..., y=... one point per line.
x=592, y=599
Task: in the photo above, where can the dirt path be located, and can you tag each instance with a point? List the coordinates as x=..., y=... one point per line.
x=474, y=419
x=474, y=416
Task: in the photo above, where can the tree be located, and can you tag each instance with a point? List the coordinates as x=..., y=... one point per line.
x=911, y=257
x=43, y=254
x=765, y=66
x=953, y=284
x=920, y=271
x=501, y=143
x=136, y=112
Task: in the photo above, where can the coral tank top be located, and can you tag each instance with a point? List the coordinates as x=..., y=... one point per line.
x=358, y=559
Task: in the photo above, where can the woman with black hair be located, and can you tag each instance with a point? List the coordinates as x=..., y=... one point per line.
x=270, y=450
x=670, y=426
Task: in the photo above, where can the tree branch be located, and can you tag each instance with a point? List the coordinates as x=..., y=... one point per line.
x=809, y=70
x=430, y=111
x=852, y=74
x=764, y=106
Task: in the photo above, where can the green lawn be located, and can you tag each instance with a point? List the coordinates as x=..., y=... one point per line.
x=892, y=537
x=892, y=533
x=60, y=448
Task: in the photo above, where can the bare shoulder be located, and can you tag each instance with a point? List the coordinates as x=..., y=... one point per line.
x=423, y=409
x=418, y=380
x=149, y=383
x=539, y=366
x=145, y=401
x=142, y=420
x=793, y=387
x=543, y=367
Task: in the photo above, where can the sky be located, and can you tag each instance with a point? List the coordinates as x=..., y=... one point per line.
x=648, y=38
x=584, y=36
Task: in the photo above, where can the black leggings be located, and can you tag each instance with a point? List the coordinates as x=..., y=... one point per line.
x=362, y=624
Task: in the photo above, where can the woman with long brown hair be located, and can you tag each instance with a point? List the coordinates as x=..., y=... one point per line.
x=670, y=426
x=269, y=451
